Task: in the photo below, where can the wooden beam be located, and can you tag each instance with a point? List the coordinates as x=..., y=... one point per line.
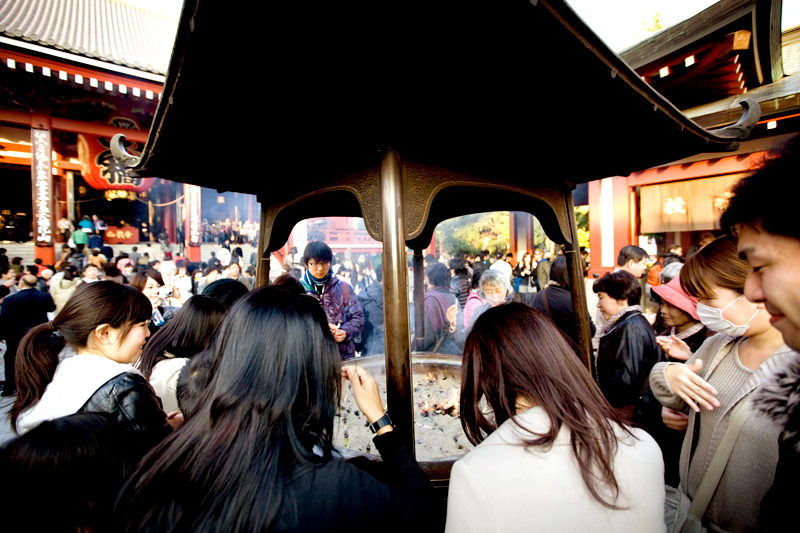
x=87, y=73
x=774, y=99
x=74, y=126
x=672, y=42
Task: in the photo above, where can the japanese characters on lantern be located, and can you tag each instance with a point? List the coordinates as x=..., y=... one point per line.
x=101, y=171
x=42, y=187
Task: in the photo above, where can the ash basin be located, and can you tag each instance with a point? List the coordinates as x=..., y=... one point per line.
x=436, y=381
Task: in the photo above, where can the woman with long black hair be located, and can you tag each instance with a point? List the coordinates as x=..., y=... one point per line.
x=257, y=453
x=554, y=456
x=81, y=362
x=186, y=335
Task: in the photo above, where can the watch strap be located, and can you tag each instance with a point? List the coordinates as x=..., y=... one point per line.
x=380, y=423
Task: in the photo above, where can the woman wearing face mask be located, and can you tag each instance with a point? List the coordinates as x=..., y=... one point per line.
x=719, y=377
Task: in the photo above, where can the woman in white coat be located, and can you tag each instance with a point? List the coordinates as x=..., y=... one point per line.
x=554, y=456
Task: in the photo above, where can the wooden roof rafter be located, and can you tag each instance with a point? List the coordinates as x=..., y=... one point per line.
x=754, y=22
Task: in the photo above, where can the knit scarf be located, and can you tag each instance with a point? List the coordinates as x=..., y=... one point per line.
x=317, y=284
x=613, y=320
x=686, y=333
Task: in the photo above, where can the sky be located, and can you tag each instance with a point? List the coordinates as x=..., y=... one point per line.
x=620, y=23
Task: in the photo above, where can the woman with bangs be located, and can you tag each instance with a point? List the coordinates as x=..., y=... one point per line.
x=716, y=380
x=81, y=362
x=554, y=455
x=256, y=452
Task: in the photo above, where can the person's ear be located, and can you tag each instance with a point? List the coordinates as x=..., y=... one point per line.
x=102, y=335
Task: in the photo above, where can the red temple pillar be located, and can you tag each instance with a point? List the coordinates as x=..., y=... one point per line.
x=42, y=189
x=193, y=229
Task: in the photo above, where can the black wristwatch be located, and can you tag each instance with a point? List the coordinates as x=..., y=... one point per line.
x=382, y=422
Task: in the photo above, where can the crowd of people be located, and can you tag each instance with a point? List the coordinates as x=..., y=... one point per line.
x=227, y=231
x=166, y=396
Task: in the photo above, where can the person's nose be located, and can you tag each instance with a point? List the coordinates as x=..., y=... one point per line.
x=752, y=288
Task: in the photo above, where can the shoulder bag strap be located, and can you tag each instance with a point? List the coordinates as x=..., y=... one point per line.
x=708, y=486
x=707, y=370
x=545, y=302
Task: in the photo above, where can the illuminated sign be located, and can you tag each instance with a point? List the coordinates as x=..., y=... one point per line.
x=193, y=227
x=42, y=170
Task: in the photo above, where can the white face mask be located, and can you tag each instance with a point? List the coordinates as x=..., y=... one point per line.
x=711, y=317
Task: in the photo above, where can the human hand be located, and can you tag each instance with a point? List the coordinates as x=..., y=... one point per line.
x=452, y=317
x=694, y=390
x=365, y=392
x=674, y=347
x=340, y=335
x=175, y=419
x=674, y=419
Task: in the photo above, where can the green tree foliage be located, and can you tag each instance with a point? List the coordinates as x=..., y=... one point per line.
x=538, y=234
x=582, y=221
x=468, y=233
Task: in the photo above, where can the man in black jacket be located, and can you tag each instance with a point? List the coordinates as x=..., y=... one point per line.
x=19, y=313
x=769, y=240
x=371, y=300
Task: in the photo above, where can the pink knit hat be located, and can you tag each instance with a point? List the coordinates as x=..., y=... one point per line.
x=673, y=294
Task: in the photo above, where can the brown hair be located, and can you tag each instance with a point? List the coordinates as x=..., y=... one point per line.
x=139, y=280
x=514, y=352
x=718, y=263
x=92, y=304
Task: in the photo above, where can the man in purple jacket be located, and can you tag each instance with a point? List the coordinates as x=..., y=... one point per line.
x=338, y=299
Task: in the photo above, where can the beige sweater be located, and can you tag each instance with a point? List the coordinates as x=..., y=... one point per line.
x=751, y=467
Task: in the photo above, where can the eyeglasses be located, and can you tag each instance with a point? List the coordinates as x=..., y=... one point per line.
x=312, y=264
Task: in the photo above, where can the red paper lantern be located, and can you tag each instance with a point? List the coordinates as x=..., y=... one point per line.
x=101, y=171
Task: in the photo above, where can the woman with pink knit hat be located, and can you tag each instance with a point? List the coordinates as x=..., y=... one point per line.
x=679, y=315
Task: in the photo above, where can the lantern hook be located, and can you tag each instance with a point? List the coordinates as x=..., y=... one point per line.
x=740, y=130
x=125, y=159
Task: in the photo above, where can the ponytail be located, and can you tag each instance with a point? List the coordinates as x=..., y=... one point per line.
x=91, y=305
x=37, y=359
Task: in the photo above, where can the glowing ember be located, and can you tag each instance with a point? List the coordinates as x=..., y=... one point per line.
x=446, y=408
x=431, y=378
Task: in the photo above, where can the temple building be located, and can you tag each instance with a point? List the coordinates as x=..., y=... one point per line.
x=72, y=74
x=705, y=66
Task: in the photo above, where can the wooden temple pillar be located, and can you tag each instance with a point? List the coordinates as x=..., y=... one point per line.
x=262, y=264
x=399, y=389
x=419, y=300
x=575, y=269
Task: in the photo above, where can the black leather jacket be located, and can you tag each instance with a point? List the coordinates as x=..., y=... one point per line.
x=131, y=399
x=625, y=357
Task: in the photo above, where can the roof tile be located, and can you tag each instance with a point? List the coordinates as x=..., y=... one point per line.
x=108, y=30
